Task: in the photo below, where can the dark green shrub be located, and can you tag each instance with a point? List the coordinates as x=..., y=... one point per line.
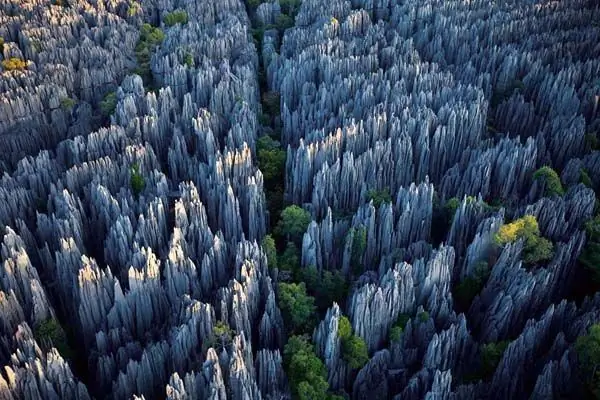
x=379, y=196
x=588, y=358
x=465, y=291
x=51, y=333
x=108, y=104
x=136, y=180
x=585, y=179
x=67, y=103
x=552, y=181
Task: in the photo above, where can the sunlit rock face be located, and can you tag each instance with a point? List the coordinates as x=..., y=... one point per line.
x=133, y=208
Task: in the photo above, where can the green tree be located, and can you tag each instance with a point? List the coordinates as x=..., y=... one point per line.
x=268, y=245
x=108, y=104
x=465, y=291
x=221, y=336
x=293, y=223
x=51, y=333
x=590, y=256
x=491, y=354
x=271, y=103
x=67, y=104
x=397, y=329
x=551, y=180
x=354, y=348
x=588, y=357
x=297, y=307
x=290, y=258
x=325, y=286
x=585, y=179
x=359, y=244
x=306, y=372
x=271, y=160
x=536, y=249
x=354, y=352
x=150, y=38
x=379, y=196
x=188, y=60
x=136, y=180
x=450, y=208
x=332, y=287
x=423, y=316
x=176, y=17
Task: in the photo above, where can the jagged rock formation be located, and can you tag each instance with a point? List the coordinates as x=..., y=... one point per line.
x=389, y=109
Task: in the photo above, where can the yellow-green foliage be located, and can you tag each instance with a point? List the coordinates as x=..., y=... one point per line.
x=521, y=227
x=536, y=248
x=176, y=17
x=134, y=9
x=14, y=64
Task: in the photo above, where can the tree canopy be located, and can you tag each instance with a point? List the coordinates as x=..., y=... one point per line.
x=306, y=372
x=136, y=180
x=465, y=291
x=50, y=332
x=176, y=17
x=268, y=245
x=354, y=348
x=553, y=186
x=293, y=223
x=379, y=196
x=588, y=355
x=297, y=307
x=536, y=248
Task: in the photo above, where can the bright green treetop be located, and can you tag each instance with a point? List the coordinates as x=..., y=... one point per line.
x=293, y=223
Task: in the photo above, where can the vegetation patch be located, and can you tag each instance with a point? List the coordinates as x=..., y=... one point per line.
x=536, y=249
x=150, y=38
x=354, y=348
x=108, y=104
x=306, y=372
x=14, y=64
x=136, y=180
x=176, y=17
x=471, y=286
x=297, y=307
x=552, y=184
x=379, y=197
x=588, y=357
x=50, y=333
